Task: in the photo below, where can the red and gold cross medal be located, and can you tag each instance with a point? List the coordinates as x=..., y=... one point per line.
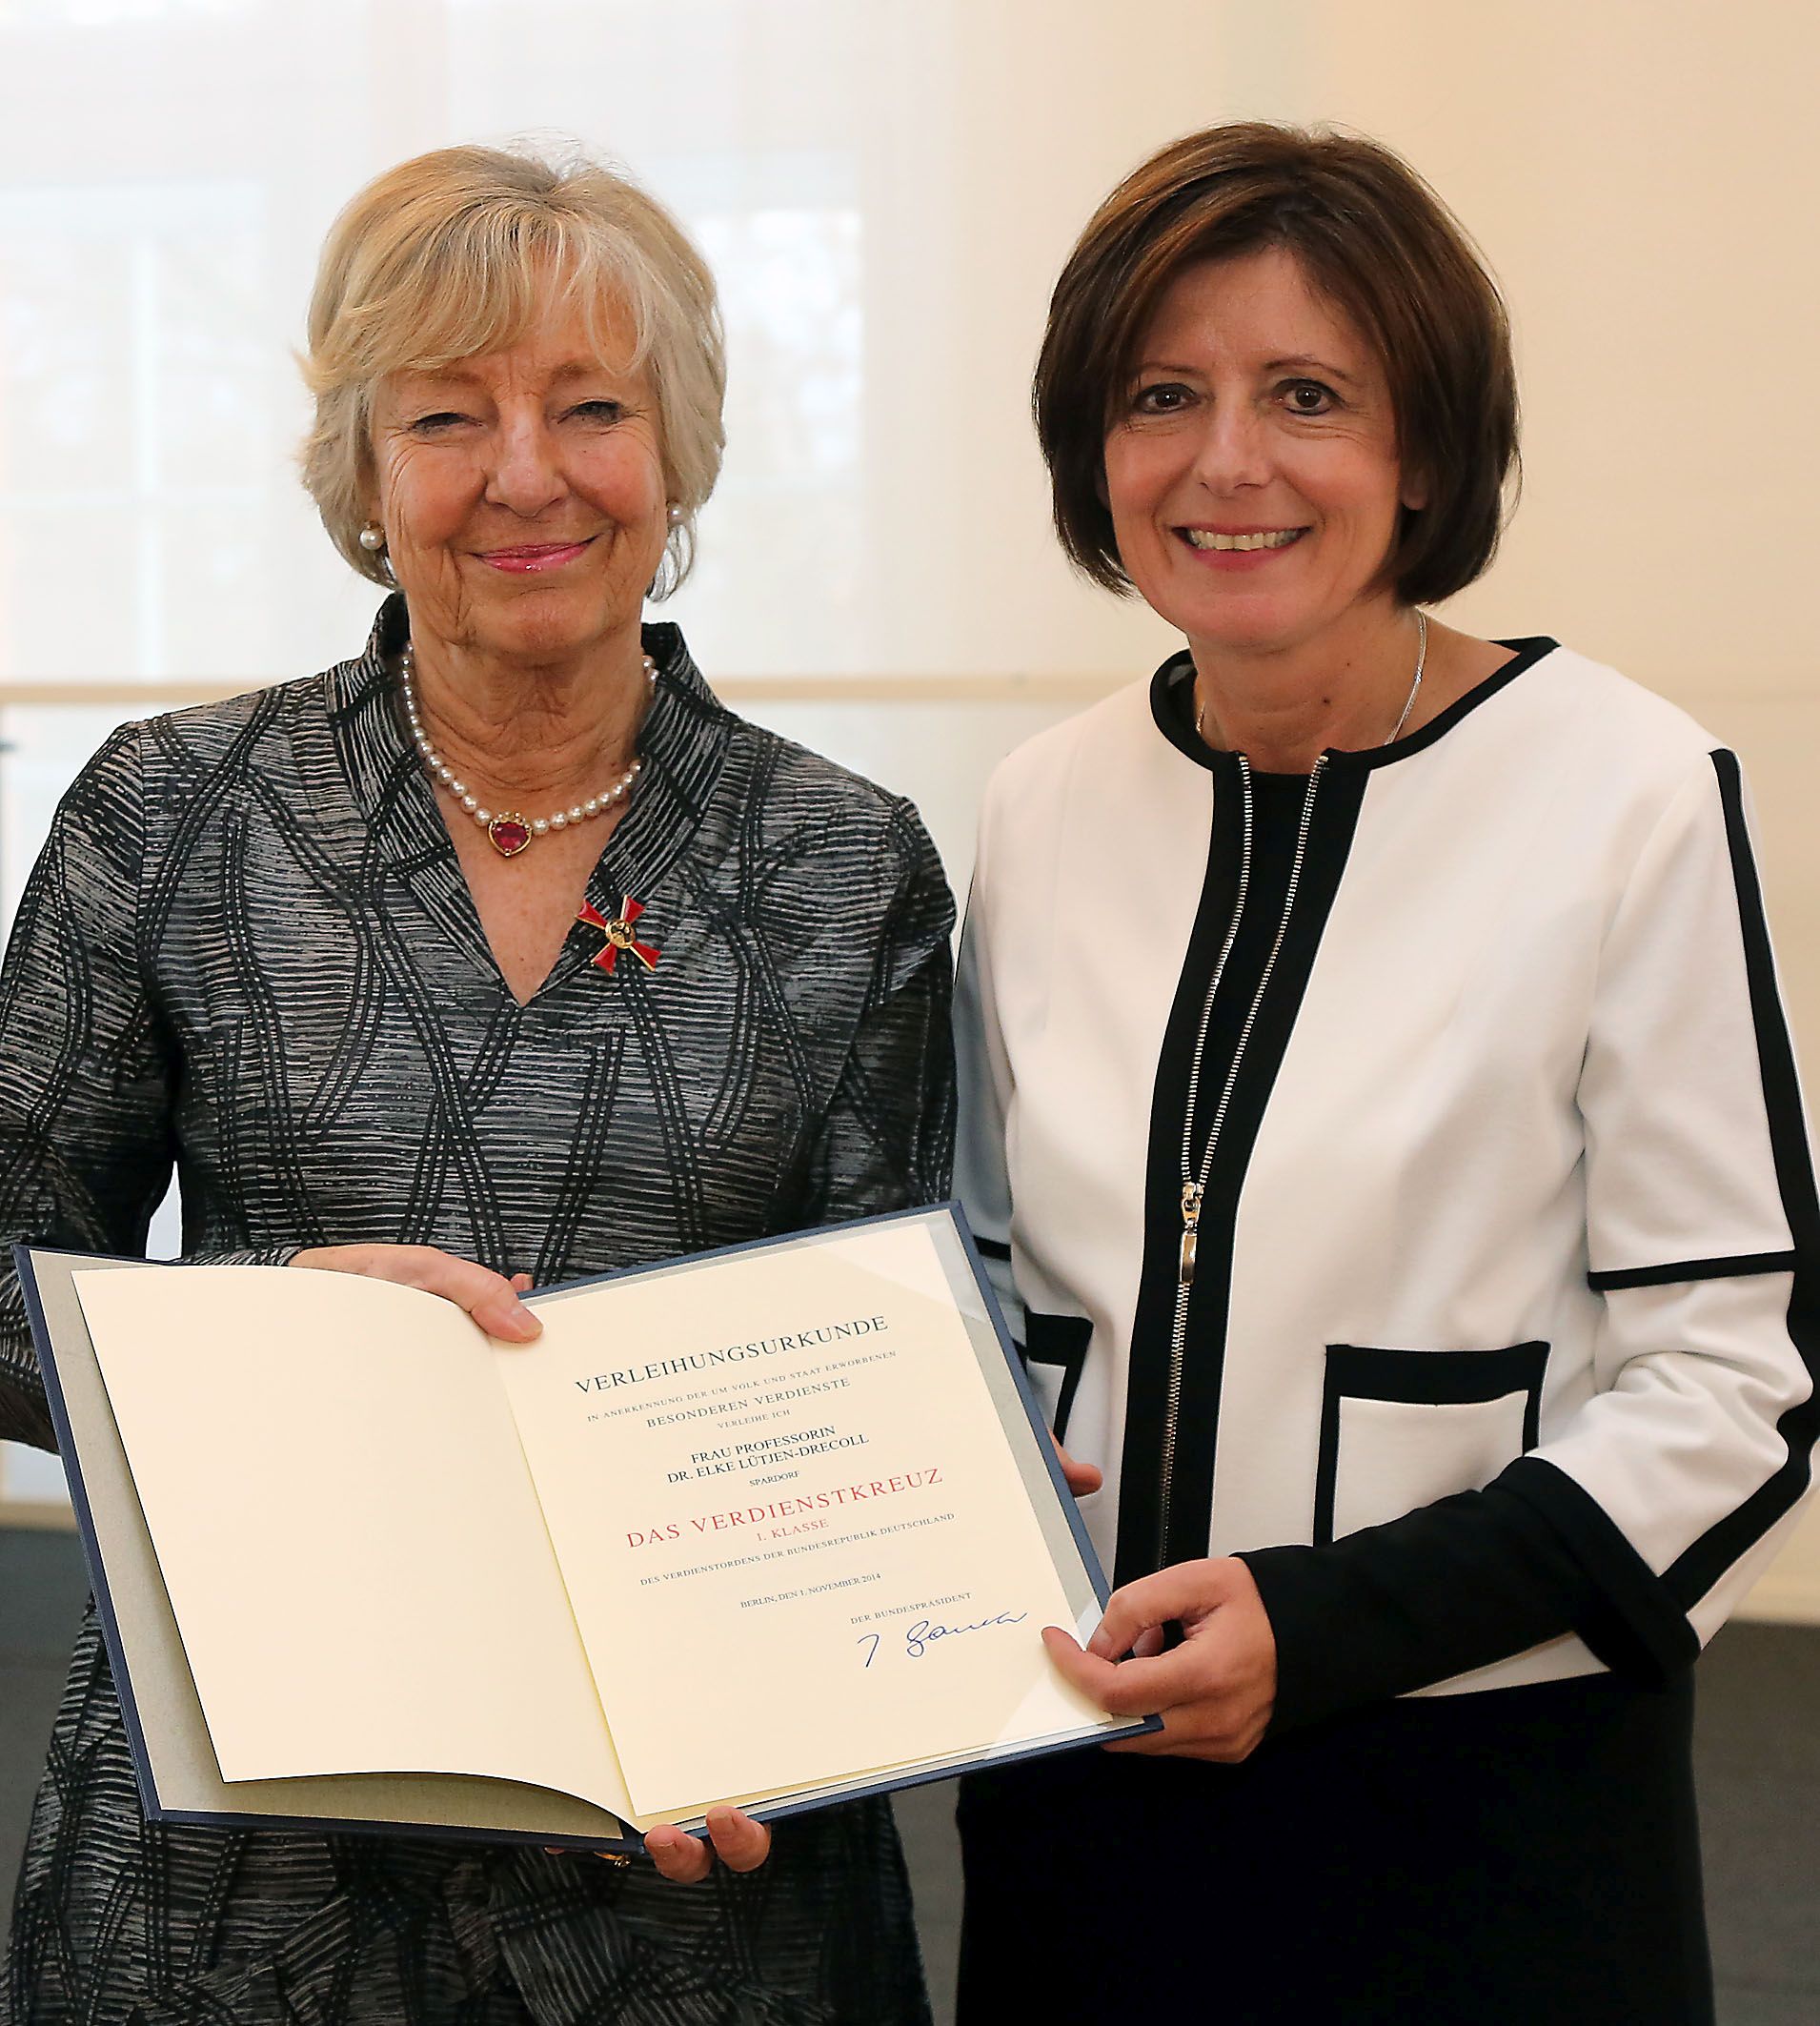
x=620, y=934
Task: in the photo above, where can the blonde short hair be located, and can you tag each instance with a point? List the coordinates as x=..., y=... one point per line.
x=453, y=255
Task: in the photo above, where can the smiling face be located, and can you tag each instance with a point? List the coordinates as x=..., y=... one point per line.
x=1252, y=475
x=522, y=494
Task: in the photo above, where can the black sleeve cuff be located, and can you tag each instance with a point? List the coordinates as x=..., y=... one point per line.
x=1456, y=1585
x=1634, y=1625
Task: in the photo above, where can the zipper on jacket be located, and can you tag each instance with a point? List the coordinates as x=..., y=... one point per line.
x=1194, y=1184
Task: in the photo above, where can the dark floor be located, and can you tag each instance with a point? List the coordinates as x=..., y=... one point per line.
x=1758, y=1749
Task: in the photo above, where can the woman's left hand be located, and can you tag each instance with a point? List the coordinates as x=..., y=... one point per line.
x=740, y=1843
x=1214, y=1691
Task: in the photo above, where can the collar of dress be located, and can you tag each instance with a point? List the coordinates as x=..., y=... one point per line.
x=1175, y=721
x=685, y=742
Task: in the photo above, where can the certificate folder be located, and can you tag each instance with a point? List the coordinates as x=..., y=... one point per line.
x=777, y=1525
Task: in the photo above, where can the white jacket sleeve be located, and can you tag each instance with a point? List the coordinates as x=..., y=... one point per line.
x=1676, y=1480
x=983, y=1089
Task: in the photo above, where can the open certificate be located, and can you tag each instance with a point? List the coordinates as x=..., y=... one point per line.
x=771, y=1525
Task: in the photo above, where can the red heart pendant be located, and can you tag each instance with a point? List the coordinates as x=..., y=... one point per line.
x=510, y=835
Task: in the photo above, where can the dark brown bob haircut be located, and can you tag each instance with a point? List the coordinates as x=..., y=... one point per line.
x=1376, y=241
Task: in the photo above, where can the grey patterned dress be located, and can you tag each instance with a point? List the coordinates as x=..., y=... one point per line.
x=249, y=949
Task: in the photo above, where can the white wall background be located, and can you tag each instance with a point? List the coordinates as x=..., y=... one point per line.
x=886, y=189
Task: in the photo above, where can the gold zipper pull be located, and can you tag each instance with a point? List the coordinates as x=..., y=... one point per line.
x=1190, y=1218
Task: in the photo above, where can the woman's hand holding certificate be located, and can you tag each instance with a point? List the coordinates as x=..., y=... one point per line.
x=489, y=1298
x=1214, y=1691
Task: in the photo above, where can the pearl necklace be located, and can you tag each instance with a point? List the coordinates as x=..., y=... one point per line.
x=507, y=830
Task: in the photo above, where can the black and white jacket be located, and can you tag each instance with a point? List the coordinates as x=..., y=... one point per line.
x=1500, y=1353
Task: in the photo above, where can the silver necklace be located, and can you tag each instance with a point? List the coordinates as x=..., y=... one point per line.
x=508, y=831
x=1409, y=702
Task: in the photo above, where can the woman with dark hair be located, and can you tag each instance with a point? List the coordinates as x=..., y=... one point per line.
x=1376, y=1094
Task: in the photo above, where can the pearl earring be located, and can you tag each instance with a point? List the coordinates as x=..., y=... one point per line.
x=373, y=538
x=676, y=515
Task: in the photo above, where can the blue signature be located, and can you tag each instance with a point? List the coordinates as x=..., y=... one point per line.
x=921, y=1637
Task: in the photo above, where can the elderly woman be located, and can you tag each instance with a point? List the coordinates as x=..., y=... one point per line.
x=500, y=954
x=1375, y=1089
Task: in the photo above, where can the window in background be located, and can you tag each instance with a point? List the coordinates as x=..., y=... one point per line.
x=862, y=178
x=132, y=389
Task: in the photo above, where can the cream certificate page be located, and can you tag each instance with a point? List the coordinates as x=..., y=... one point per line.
x=795, y=1535
x=367, y=1585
